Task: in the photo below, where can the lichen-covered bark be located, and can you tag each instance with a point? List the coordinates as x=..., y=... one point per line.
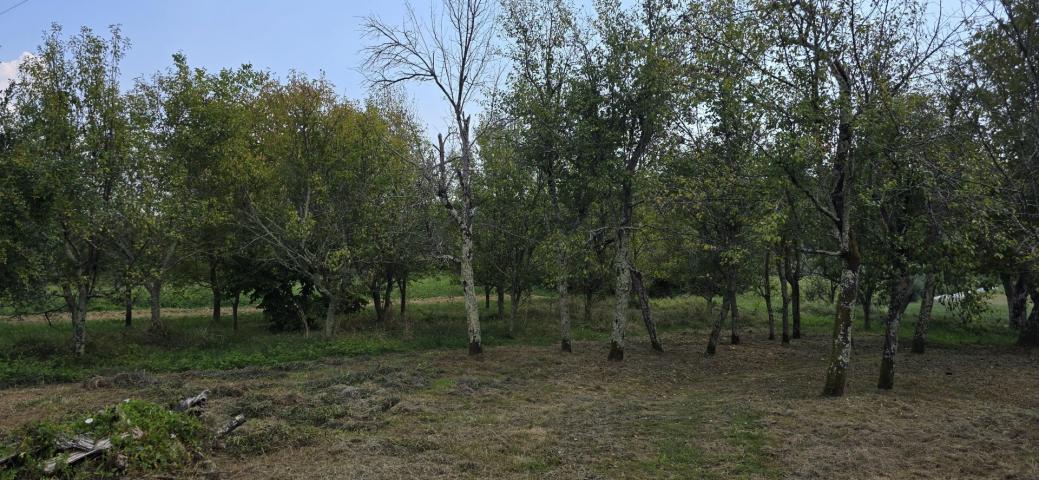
x=901, y=290
x=154, y=288
x=622, y=288
x=840, y=351
x=926, y=305
x=472, y=308
x=76, y=300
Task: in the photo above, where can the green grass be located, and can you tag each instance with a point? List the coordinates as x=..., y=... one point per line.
x=33, y=352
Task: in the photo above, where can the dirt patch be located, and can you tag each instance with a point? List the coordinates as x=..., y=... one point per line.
x=752, y=411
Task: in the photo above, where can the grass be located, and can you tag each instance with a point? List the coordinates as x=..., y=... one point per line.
x=34, y=352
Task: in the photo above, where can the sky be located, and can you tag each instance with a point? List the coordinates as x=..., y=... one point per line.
x=309, y=36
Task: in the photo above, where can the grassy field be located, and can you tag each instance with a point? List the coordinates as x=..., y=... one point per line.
x=374, y=404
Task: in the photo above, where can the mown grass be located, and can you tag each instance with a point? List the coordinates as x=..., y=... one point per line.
x=34, y=352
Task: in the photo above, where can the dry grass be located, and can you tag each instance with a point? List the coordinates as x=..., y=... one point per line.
x=753, y=411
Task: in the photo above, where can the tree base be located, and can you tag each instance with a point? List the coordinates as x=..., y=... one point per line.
x=918, y=346
x=711, y=348
x=475, y=348
x=565, y=346
x=658, y=347
x=616, y=352
x=1028, y=338
x=887, y=374
x=735, y=340
x=786, y=339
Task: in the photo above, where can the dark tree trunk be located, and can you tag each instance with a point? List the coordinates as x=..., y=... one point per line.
x=215, y=286
x=1028, y=336
x=767, y=293
x=647, y=314
x=900, y=291
x=487, y=297
x=734, y=309
x=926, y=304
x=234, y=309
x=716, y=329
x=402, y=285
x=376, y=289
x=794, y=277
x=1015, y=287
x=867, y=307
x=501, y=302
x=128, y=299
x=387, y=299
x=782, y=266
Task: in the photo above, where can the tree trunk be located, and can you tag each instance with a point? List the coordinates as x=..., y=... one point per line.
x=622, y=273
x=128, y=302
x=330, y=317
x=514, y=299
x=716, y=329
x=77, y=304
x=1028, y=336
x=647, y=314
x=867, y=307
x=402, y=285
x=217, y=294
x=234, y=310
x=566, y=340
x=926, y=304
x=794, y=277
x=472, y=309
x=501, y=302
x=900, y=292
x=735, y=310
x=840, y=199
x=376, y=289
x=487, y=297
x=387, y=299
x=1016, y=291
x=767, y=293
x=782, y=265
x=154, y=288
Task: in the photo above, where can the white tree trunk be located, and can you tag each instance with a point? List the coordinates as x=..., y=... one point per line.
x=472, y=309
x=623, y=288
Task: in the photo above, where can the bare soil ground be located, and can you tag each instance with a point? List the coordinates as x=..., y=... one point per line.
x=753, y=411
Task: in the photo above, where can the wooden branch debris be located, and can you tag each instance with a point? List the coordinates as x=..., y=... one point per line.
x=192, y=402
x=87, y=448
x=230, y=426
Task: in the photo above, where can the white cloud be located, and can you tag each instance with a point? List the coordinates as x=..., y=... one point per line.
x=9, y=69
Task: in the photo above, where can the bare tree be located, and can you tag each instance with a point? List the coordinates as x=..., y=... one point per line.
x=454, y=55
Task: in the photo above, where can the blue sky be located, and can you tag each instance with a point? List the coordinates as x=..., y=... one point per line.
x=309, y=36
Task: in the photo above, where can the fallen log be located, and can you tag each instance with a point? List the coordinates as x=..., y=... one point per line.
x=192, y=402
x=230, y=426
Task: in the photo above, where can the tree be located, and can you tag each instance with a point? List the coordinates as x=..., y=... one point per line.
x=74, y=123
x=455, y=58
x=632, y=76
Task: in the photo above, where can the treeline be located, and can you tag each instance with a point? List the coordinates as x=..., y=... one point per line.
x=705, y=148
